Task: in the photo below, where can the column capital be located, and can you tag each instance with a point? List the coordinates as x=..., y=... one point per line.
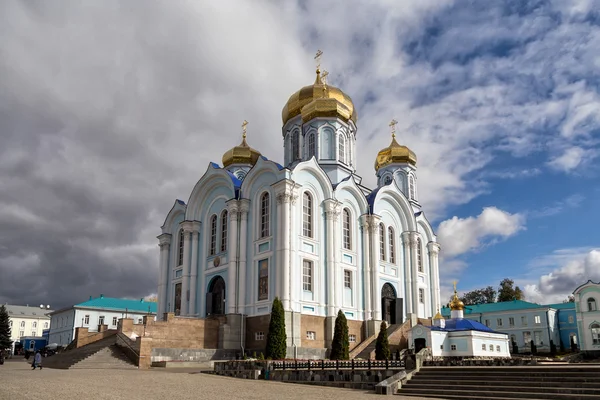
x=373, y=222
x=244, y=206
x=434, y=247
x=190, y=227
x=232, y=206
x=332, y=209
x=164, y=240
x=286, y=191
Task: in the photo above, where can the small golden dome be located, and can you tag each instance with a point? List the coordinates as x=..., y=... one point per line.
x=319, y=100
x=456, y=304
x=395, y=153
x=438, y=315
x=242, y=154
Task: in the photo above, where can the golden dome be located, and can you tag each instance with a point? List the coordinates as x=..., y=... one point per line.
x=395, y=153
x=319, y=100
x=456, y=304
x=438, y=315
x=242, y=154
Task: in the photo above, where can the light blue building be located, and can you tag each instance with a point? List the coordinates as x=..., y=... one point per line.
x=567, y=325
x=521, y=320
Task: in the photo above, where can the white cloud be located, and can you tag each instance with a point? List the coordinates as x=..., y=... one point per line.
x=572, y=201
x=461, y=235
x=572, y=158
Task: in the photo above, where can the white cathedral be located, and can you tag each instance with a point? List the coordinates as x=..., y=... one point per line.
x=306, y=231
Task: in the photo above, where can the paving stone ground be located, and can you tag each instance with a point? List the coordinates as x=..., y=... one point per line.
x=19, y=382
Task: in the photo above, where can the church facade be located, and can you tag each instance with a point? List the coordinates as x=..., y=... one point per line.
x=306, y=231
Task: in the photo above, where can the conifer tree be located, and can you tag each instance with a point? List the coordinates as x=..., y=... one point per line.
x=276, y=338
x=5, y=341
x=340, y=348
x=382, y=347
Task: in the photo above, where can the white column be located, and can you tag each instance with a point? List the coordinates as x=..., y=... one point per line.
x=284, y=251
x=185, y=286
x=194, y=269
x=244, y=208
x=278, y=240
x=332, y=210
x=413, y=255
x=163, y=279
x=408, y=275
x=434, y=250
x=232, y=256
x=366, y=268
x=375, y=257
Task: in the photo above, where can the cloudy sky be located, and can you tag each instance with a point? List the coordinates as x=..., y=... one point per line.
x=110, y=110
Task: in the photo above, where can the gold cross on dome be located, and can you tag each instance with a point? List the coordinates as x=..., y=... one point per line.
x=324, y=77
x=454, y=285
x=393, y=127
x=244, y=125
x=318, y=59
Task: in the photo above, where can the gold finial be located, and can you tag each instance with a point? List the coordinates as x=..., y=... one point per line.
x=324, y=77
x=393, y=128
x=318, y=60
x=244, y=125
x=454, y=286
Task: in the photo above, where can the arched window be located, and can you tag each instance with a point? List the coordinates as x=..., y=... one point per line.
x=224, y=231
x=264, y=215
x=180, y=254
x=392, y=241
x=307, y=221
x=591, y=304
x=411, y=187
x=295, y=145
x=342, y=149
x=419, y=255
x=213, y=235
x=381, y=242
x=312, y=148
x=346, y=230
x=595, y=333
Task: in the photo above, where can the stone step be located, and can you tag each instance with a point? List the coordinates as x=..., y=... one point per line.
x=517, y=372
x=504, y=388
x=516, y=394
x=592, y=383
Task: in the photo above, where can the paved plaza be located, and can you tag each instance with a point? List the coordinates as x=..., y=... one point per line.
x=18, y=381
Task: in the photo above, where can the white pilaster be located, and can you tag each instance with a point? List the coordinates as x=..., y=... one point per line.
x=376, y=292
x=244, y=208
x=332, y=211
x=408, y=274
x=365, y=271
x=163, y=278
x=232, y=256
x=194, y=269
x=185, y=284
x=412, y=242
x=434, y=251
x=285, y=192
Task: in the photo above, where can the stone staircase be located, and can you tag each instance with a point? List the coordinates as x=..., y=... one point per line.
x=103, y=354
x=366, y=350
x=568, y=382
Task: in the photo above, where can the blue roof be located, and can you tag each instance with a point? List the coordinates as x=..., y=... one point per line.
x=371, y=198
x=181, y=202
x=279, y=166
x=120, y=304
x=495, y=307
x=461, y=324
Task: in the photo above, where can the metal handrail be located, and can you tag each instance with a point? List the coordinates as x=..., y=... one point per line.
x=127, y=343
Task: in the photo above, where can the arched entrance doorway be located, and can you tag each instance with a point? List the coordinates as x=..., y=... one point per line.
x=215, y=298
x=420, y=344
x=388, y=304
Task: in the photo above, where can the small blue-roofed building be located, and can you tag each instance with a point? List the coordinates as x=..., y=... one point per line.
x=521, y=320
x=459, y=336
x=96, y=314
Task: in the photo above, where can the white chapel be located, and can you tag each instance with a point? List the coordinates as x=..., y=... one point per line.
x=306, y=231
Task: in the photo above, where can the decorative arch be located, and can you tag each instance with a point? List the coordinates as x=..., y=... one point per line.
x=215, y=297
x=326, y=135
x=396, y=199
x=426, y=230
x=389, y=304
x=212, y=179
x=312, y=167
x=260, y=169
x=177, y=210
x=352, y=188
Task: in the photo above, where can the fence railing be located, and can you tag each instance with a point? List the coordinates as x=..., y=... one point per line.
x=130, y=351
x=336, y=364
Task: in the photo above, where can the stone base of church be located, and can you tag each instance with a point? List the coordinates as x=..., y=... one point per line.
x=373, y=327
x=231, y=334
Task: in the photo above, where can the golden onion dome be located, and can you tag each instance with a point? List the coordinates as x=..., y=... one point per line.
x=319, y=100
x=438, y=315
x=456, y=304
x=242, y=154
x=395, y=153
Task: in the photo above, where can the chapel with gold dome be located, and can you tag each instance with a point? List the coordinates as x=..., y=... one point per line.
x=306, y=230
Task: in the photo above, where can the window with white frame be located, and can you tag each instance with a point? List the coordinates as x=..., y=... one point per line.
x=421, y=296
x=114, y=321
x=571, y=319
x=411, y=187
x=22, y=324
x=86, y=320
x=342, y=149
x=499, y=321
x=265, y=202
x=213, y=236
x=381, y=242
x=140, y=320
x=312, y=148
x=524, y=320
x=311, y=335
x=453, y=347
x=537, y=319
x=101, y=320
x=392, y=243
x=419, y=255
x=346, y=234
x=45, y=325
x=591, y=303
x=526, y=337
x=224, y=230
x=34, y=324
x=180, y=253
x=352, y=338
x=537, y=336
x=511, y=321
x=497, y=348
x=347, y=279
x=491, y=347
x=21, y=333
x=33, y=333
x=259, y=336
x=595, y=328
x=441, y=347
x=307, y=215
x=307, y=274
x=483, y=347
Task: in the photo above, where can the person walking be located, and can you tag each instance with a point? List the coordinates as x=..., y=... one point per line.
x=37, y=360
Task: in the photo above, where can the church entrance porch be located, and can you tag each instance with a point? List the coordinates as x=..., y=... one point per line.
x=215, y=298
x=391, y=306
